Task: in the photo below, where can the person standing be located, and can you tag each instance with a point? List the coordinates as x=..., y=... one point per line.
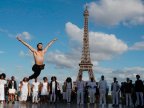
x=53, y=89
x=25, y=90
x=102, y=90
x=115, y=89
x=44, y=90
x=12, y=89
x=2, y=85
x=80, y=84
x=92, y=90
x=68, y=89
x=64, y=90
x=128, y=92
x=19, y=91
x=139, y=90
x=35, y=91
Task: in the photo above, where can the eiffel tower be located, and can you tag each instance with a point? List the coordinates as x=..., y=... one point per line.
x=85, y=64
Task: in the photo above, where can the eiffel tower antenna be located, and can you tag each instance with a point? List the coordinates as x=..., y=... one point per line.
x=85, y=64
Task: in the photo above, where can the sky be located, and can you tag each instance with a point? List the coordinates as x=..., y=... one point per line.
x=116, y=37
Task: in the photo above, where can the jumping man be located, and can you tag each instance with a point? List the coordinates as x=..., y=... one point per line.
x=38, y=56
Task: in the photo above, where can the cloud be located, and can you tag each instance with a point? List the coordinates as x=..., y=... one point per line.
x=25, y=35
x=114, y=12
x=3, y=30
x=137, y=46
x=11, y=35
x=62, y=60
x=74, y=32
x=130, y=72
x=25, y=54
x=102, y=70
x=120, y=74
x=102, y=47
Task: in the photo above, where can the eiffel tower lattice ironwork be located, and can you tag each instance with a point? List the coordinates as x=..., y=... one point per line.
x=85, y=64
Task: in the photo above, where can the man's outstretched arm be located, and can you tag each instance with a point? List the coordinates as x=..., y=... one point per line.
x=49, y=44
x=27, y=45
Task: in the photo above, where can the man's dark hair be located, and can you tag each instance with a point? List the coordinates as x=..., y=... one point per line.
x=39, y=44
x=53, y=77
x=115, y=78
x=68, y=79
x=138, y=76
x=12, y=77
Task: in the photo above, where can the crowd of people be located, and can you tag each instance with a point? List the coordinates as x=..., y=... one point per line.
x=128, y=93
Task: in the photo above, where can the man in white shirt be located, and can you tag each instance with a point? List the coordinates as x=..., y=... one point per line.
x=115, y=88
x=102, y=89
x=80, y=90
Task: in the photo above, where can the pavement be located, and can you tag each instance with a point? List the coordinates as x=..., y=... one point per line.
x=57, y=105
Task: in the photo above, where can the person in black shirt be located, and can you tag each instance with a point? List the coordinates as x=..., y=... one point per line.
x=54, y=85
x=139, y=90
x=12, y=89
x=128, y=92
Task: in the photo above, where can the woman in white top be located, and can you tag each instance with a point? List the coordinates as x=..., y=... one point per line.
x=35, y=90
x=25, y=90
x=102, y=89
x=2, y=84
x=44, y=90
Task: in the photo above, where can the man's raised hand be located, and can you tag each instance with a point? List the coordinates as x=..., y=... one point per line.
x=55, y=39
x=18, y=38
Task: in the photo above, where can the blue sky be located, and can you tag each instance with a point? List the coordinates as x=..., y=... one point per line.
x=116, y=37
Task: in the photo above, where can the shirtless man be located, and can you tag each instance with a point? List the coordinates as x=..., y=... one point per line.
x=38, y=56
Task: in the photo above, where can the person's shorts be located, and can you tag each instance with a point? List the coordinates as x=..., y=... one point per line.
x=12, y=91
